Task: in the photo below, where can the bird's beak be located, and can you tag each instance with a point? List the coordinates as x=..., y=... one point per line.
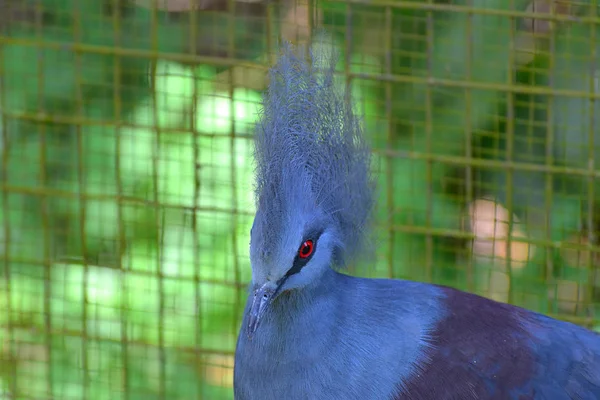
x=261, y=301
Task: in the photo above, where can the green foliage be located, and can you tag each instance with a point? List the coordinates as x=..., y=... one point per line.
x=52, y=90
x=416, y=195
x=433, y=112
x=164, y=276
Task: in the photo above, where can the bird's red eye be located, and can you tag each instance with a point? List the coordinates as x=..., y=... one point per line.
x=306, y=249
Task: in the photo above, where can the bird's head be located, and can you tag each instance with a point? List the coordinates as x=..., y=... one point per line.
x=313, y=182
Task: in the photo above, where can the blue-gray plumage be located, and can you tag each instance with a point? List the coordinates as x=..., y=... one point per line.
x=312, y=332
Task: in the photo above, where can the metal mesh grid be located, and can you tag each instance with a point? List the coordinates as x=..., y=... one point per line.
x=126, y=171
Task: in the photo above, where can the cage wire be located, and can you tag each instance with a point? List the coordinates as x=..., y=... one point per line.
x=126, y=144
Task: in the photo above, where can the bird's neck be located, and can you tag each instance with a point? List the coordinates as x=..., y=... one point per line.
x=294, y=317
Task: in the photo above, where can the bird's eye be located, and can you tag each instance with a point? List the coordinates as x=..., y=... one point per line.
x=306, y=249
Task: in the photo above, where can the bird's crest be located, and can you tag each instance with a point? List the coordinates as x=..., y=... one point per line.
x=309, y=146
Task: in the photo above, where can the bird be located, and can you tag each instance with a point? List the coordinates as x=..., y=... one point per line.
x=311, y=330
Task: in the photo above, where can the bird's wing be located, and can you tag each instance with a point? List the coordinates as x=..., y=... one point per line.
x=483, y=349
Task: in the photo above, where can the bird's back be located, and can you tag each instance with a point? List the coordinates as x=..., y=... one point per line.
x=483, y=349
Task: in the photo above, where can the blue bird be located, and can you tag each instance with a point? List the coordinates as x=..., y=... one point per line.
x=312, y=332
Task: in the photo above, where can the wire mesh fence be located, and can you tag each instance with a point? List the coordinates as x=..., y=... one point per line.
x=126, y=162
